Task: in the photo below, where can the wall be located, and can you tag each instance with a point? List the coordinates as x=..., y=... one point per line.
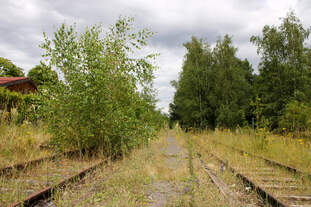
x=23, y=88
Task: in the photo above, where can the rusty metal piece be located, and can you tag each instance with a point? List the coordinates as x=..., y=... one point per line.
x=298, y=198
x=269, y=179
x=283, y=187
x=260, y=173
x=265, y=169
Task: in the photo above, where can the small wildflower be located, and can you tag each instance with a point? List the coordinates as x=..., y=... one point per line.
x=222, y=167
x=187, y=189
x=301, y=141
x=51, y=204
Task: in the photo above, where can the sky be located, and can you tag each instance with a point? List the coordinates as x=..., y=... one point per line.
x=22, y=23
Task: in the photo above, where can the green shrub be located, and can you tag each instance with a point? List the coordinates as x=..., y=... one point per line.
x=98, y=104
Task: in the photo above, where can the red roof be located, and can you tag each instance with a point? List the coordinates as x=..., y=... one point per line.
x=5, y=80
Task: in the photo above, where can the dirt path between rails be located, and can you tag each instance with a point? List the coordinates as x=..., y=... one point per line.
x=163, y=193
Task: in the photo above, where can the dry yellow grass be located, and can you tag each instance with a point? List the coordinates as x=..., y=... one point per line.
x=21, y=143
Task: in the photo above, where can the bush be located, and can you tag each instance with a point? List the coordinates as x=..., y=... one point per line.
x=98, y=104
x=26, y=104
x=296, y=117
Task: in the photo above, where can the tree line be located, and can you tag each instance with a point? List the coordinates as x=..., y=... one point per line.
x=217, y=89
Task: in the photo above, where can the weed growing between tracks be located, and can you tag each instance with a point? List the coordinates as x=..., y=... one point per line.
x=204, y=192
x=193, y=179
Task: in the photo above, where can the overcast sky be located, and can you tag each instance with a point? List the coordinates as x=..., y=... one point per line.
x=22, y=23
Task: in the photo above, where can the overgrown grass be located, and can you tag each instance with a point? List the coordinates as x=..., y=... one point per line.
x=21, y=143
x=284, y=149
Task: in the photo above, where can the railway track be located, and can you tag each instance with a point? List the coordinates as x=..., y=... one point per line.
x=278, y=184
x=28, y=183
x=269, y=161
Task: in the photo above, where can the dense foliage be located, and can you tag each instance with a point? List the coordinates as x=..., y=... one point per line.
x=8, y=69
x=26, y=104
x=285, y=67
x=217, y=89
x=214, y=87
x=105, y=98
x=43, y=75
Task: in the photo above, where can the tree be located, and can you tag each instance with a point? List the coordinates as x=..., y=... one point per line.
x=232, y=89
x=8, y=69
x=284, y=70
x=97, y=104
x=43, y=75
x=214, y=87
x=190, y=103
